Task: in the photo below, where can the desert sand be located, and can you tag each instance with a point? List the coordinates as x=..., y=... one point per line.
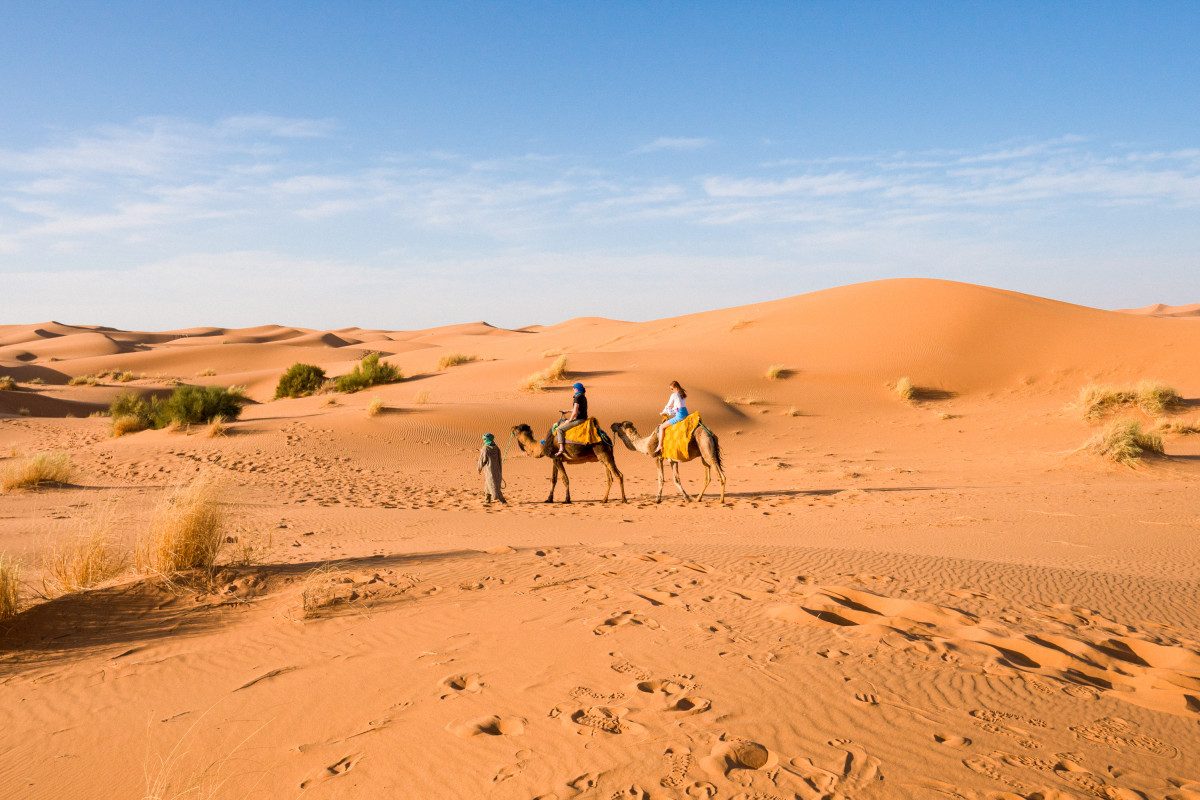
x=944, y=597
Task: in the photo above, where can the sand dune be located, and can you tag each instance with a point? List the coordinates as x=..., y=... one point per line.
x=946, y=597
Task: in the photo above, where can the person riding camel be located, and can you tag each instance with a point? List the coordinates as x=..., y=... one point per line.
x=674, y=411
x=577, y=416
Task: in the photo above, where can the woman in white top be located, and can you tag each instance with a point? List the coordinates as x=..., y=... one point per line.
x=674, y=411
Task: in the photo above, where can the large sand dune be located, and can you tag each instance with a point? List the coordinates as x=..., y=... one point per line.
x=939, y=598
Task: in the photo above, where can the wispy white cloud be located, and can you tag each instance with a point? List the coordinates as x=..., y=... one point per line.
x=133, y=194
x=674, y=143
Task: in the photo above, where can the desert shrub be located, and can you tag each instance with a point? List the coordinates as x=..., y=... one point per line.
x=7, y=383
x=422, y=398
x=43, y=469
x=123, y=377
x=36, y=381
x=186, y=532
x=1097, y=401
x=127, y=424
x=371, y=371
x=1178, y=427
x=197, y=405
x=1156, y=398
x=208, y=373
x=89, y=557
x=300, y=380
x=375, y=408
x=905, y=390
x=554, y=373
x=10, y=581
x=83, y=380
x=777, y=372
x=216, y=428
x=1125, y=442
x=454, y=359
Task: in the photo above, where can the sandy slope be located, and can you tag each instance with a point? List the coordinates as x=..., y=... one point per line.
x=940, y=599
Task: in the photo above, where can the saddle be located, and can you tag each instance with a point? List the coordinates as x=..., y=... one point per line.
x=587, y=433
x=677, y=438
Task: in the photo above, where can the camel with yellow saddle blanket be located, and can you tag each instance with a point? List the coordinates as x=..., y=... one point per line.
x=583, y=443
x=683, y=441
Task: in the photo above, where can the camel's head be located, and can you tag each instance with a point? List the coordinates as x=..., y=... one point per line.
x=625, y=427
x=526, y=440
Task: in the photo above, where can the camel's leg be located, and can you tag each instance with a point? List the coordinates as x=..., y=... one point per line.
x=620, y=480
x=660, y=481
x=566, y=482
x=553, y=479
x=608, y=479
x=707, y=480
x=721, y=478
x=678, y=482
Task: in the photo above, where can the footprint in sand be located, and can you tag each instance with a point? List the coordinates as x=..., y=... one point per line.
x=950, y=740
x=488, y=726
x=605, y=719
x=621, y=619
x=337, y=768
x=736, y=755
x=679, y=761
x=700, y=790
x=454, y=685
x=674, y=694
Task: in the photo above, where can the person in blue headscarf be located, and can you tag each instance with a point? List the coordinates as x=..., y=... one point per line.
x=493, y=479
x=577, y=416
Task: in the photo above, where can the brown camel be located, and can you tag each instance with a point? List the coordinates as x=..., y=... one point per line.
x=574, y=454
x=704, y=445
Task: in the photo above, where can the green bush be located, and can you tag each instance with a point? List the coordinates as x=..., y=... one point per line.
x=368, y=372
x=187, y=405
x=300, y=380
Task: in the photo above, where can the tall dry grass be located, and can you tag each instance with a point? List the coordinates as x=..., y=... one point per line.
x=1178, y=427
x=217, y=427
x=186, y=532
x=455, y=359
x=375, y=407
x=43, y=469
x=777, y=372
x=1097, y=401
x=905, y=390
x=1125, y=442
x=555, y=373
x=7, y=383
x=87, y=558
x=10, y=581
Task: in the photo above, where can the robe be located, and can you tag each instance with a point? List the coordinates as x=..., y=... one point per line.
x=493, y=477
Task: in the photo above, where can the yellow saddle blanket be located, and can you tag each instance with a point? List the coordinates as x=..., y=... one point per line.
x=587, y=433
x=678, y=437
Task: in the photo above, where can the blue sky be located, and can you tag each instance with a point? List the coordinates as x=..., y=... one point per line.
x=404, y=165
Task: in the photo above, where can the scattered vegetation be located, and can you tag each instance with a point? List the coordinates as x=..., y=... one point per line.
x=422, y=398
x=777, y=372
x=905, y=390
x=554, y=373
x=1097, y=401
x=1178, y=427
x=208, y=373
x=36, y=381
x=43, y=469
x=910, y=392
x=10, y=580
x=375, y=408
x=83, y=380
x=300, y=380
x=1125, y=442
x=455, y=359
x=371, y=371
x=794, y=412
x=217, y=427
x=187, y=405
x=86, y=559
x=7, y=383
x=186, y=533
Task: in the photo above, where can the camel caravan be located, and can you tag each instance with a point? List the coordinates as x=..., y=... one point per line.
x=579, y=439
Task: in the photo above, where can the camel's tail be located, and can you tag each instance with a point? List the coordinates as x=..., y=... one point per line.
x=716, y=448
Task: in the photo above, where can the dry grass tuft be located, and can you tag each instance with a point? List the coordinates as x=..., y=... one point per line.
x=793, y=412
x=186, y=532
x=24, y=412
x=7, y=383
x=10, y=581
x=86, y=559
x=208, y=373
x=777, y=372
x=905, y=390
x=455, y=359
x=422, y=398
x=44, y=469
x=127, y=423
x=1178, y=427
x=83, y=380
x=375, y=408
x=1125, y=442
x=1097, y=401
x=554, y=373
x=218, y=427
